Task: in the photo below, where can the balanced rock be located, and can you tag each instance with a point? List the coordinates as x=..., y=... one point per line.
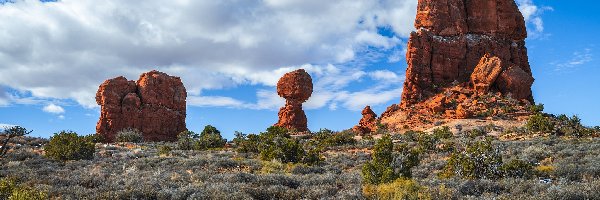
x=368, y=122
x=155, y=105
x=296, y=87
x=452, y=37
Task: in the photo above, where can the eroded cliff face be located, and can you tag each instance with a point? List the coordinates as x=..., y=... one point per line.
x=467, y=59
x=296, y=87
x=155, y=105
x=451, y=38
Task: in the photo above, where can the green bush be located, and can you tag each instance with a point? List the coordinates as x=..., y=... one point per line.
x=476, y=132
x=246, y=143
x=517, y=169
x=129, y=135
x=405, y=161
x=443, y=133
x=478, y=160
x=164, y=150
x=328, y=138
x=25, y=193
x=572, y=127
x=11, y=191
x=399, y=189
x=539, y=108
x=209, y=138
x=67, y=145
x=95, y=138
x=185, y=140
x=379, y=169
x=539, y=123
x=282, y=148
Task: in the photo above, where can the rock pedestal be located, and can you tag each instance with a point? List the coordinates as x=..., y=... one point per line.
x=155, y=105
x=296, y=87
x=368, y=123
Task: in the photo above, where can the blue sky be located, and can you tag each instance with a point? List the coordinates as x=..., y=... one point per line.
x=54, y=55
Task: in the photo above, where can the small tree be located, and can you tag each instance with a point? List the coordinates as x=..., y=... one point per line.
x=67, y=145
x=478, y=160
x=185, y=140
x=210, y=138
x=379, y=169
x=11, y=132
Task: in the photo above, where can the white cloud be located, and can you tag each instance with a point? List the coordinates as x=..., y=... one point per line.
x=386, y=75
x=533, y=16
x=213, y=101
x=66, y=49
x=579, y=58
x=47, y=47
x=53, y=108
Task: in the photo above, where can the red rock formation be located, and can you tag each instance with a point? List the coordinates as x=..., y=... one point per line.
x=155, y=106
x=368, y=123
x=296, y=87
x=451, y=38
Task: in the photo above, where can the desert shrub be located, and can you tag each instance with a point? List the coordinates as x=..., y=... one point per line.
x=539, y=108
x=185, y=140
x=129, y=135
x=281, y=148
x=246, y=143
x=476, y=132
x=328, y=138
x=95, y=138
x=26, y=193
x=572, y=127
x=478, y=160
x=209, y=138
x=544, y=171
x=15, y=131
x=11, y=191
x=164, y=150
x=379, y=169
x=399, y=189
x=405, y=161
x=67, y=145
x=517, y=168
x=7, y=185
x=539, y=123
x=442, y=133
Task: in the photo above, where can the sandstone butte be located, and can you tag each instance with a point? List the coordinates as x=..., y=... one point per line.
x=155, y=105
x=462, y=55
x=295, y=87
x=368, y=122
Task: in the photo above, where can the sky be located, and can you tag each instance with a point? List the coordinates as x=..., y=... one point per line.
x=230, y=54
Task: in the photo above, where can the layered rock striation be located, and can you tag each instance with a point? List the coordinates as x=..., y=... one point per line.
x=295, y=87
x=452, y=37
x=155, y=105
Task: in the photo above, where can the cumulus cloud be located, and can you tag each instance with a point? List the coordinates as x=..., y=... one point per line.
x=65, y=49
x=47, y=47
x=53, y=108
x=533, y=16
